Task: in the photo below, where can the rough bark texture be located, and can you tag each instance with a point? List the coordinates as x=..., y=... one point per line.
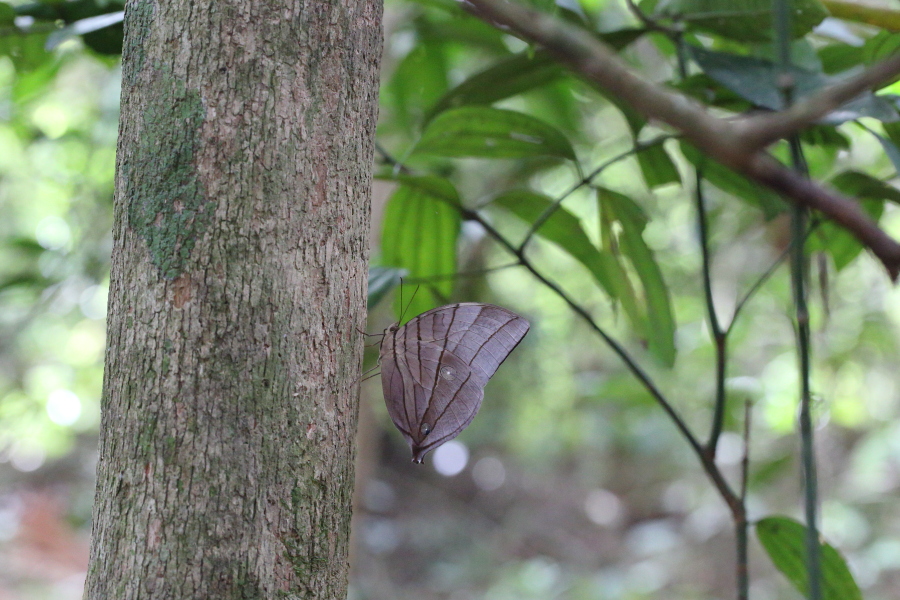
x=238, y=282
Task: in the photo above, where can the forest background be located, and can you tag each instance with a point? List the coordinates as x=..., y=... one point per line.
x=571, y=483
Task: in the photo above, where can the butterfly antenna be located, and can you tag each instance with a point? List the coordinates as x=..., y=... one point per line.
x=413, y=297
x=360, y=331
x=370, y=376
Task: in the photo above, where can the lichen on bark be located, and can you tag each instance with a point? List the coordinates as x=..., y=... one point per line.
x=167, y=203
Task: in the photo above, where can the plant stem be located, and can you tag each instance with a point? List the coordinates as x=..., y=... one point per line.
x=719, y=335
x=782, y=13
x=586, y=180
x=808, y=459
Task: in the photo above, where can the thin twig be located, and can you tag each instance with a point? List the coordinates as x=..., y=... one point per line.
x=466, y=274
x=724, y=140
x=756, y=286
x=705, y=458
x=587, y=180
x=719, y=335
x=745, y=461
x=743, y=575
x=650, y=23
x=783, y=16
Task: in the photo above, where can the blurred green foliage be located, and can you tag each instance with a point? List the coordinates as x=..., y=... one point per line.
x=577, y=486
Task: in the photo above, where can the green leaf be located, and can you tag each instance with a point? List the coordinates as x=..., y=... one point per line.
x=657, y=166
x=826, y=136
x=564, y=229
x=880, y=46
x=381, y=281
x=784, y=540
x=509, y=77
x=26, y=51
x=419, y=233
x=708, y=91
x=740, y=20
x=478, y=131
x=661, y=322
x=31, y=84
x=7, y=15
x=890, y=143
x=417, y=82
x=756, y=80
x=730, y=182
x=837, y=58
x=834, y=239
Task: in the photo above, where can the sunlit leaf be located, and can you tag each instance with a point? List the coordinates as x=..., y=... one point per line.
x=562, y=228
x=509, y=77
x=661, y=322
x=7, y=14
x=419, y=234
x=744, y=20
x=657, y=166
x=419, y=79
x=880, y=46
x=784, y=540
x=26, y=51
x=478, y=131
x=837, y=58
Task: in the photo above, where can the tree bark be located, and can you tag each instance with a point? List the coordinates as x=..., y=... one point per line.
x=238, y=282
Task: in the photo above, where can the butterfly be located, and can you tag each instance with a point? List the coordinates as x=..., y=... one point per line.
x=434, y=369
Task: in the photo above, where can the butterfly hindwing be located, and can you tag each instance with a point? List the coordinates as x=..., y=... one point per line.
x=435, y=367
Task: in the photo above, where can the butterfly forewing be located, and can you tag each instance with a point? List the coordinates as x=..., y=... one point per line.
x=434, y=368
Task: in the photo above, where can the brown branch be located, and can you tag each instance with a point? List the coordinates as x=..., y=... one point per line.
x=723, y=140
x=763, y=129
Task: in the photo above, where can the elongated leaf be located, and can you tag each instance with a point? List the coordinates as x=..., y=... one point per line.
x=7, y=14
x=756, y=80
x=419, y=79
x=661, y=323
x=509, y=77
x=517, y=74
x=744, y=20
x=784, y=540
x=657, y=166
x=871, y=194
x=565, y=230
x=26, y=50
x=837, y=58
x=419, y=235
x=730, y=182
x=381, y=281
x=890, y=144
x=479, y=131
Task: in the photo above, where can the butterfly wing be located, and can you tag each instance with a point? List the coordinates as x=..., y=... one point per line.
x=435, y=367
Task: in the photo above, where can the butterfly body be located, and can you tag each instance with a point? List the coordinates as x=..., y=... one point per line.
x=434, y=368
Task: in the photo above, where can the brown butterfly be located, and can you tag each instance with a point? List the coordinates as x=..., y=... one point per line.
x=434, y=369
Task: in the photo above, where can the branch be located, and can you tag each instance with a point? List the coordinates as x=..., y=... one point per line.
x=725, y=141
x=763, y=129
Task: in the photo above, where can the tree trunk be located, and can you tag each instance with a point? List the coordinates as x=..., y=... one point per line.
x=238, y=283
